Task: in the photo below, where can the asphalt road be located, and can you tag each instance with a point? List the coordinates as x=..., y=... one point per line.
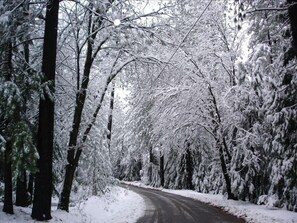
x=162, y=207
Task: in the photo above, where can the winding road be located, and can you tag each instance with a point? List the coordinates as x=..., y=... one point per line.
x=162, y=207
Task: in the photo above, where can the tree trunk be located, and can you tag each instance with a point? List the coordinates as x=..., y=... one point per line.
x=8, y=204
x=2, y=165
x=22, y=198
x=162, y=170
x=65, y=195
x=189, y=169
x=293, y=20
x=73, y=153
x=109, y=125
x=30, y=187
x=222, y=145
x=43, y=182
x=292, y=52
x=225, y=174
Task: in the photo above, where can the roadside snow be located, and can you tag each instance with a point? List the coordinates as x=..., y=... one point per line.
x=250, y=212
x=117, y=206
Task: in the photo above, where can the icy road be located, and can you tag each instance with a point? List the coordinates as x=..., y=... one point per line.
x=162, y=207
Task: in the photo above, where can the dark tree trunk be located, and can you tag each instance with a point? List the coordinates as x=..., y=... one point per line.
x=225, y=174
x=162, y=179
x=109, y=124
x=292, y=52
x=43, y=182
x=74, y=157
x=293, y=20
x=8, y=203
x=22, y=198
x=2, y=165
x=65, y=195
x=74, y=152
x=189, y=169
x=150, y=168
x=222, y=146
x=30, y=187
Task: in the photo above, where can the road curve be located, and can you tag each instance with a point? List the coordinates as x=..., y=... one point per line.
x=162, y=207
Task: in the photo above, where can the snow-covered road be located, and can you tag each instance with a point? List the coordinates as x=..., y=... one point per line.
x=252, y=213
x=166, y=207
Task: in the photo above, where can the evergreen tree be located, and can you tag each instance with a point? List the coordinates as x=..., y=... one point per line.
x=18, y=85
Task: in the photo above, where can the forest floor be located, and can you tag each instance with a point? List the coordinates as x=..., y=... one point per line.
x=121, y=205
x=252, y=213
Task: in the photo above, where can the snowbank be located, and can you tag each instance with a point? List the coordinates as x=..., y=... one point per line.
x=117, y=206
x=250, y=212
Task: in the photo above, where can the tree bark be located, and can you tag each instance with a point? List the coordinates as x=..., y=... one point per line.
x=8, y=203
x=30, y=187
x=222, y=145
x=293, y=20
x=2, y=165
x=22, y=198
x=43, y=182
x=109, y=124
x=189, y=168
x=225, y=174
x=292, y=52
x=162, y=170
x=65, y=195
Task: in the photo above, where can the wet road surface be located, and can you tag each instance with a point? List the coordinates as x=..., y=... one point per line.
x=162, y=207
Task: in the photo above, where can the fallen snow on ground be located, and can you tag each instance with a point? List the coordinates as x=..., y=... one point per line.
x=250, y=212
x=117, y=206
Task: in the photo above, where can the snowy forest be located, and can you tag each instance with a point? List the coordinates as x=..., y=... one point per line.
x=180, y=94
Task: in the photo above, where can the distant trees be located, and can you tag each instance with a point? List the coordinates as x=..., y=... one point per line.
x=235, y=105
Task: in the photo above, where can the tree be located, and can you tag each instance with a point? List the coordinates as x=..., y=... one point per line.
x=95, y=22
x=7, y=70
x=43, y=182
x=109, y=124
x=266, y=108
x=15, y=134
x=292, y=52
x=110, y=46
x=17, y=93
